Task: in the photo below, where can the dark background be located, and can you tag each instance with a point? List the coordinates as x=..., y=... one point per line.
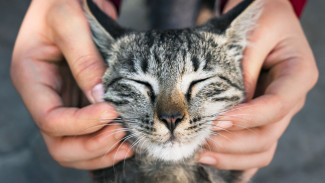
x=300, y=156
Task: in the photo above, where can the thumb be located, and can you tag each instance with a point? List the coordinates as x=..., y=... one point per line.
x=71, y=33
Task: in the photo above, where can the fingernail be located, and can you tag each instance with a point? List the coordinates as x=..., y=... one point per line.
x=97, y=94
x=109, y=115
x=222, y=125
x=123, y=153
x=208, y=160
x=119, y=135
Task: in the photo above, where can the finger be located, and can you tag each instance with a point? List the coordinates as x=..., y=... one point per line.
x=261, y=111
x=41, y=97
x=237, y=162
x=73, y=36
x=261, y=46
x=104, y=161
x=70, y=149
x=289, y=63
x=64, y=121
x=248, y=141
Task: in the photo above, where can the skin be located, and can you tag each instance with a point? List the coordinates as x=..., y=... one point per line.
x=288, y=72
x=53, y=57
x=76, y=135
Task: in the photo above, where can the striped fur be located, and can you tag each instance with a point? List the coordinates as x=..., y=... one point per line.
x=193, y=72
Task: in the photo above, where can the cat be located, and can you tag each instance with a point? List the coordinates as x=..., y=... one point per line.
x=169, y=86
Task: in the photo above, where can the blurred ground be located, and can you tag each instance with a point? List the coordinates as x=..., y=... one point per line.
x=300, y=157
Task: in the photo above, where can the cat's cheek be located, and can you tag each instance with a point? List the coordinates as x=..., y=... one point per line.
x=213, y=108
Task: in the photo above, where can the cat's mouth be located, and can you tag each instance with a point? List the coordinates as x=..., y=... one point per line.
x=172, y=142
x=172, y=139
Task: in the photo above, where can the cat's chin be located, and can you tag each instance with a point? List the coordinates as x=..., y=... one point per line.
x=173, y=151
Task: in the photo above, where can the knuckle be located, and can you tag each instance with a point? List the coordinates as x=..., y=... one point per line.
x=282, y=107
x=56, y=154
x=47, y=126
x=268, y=156
x=17, y=71
x=269, y=138
x=70, y=13
x=70, y=165
x=315, y=76
x=14, y=69
x=85, y=60
x=95, y=144
x=84, y=65
x=266, y=162
x=300, y=104
x=64, y=164
x=265, y=146
x=216, y=144
x=310, y=71
x=92, y=145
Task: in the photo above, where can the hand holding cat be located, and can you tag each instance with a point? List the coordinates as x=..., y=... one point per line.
x=278, y=48
x=75, y=136
x=52, y=31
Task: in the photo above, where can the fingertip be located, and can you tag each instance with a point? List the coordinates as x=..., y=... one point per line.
x=119, y=135
x=96, y=95
x=208, y=159
x=108, y=114
x=123, y=152
x=222, y=125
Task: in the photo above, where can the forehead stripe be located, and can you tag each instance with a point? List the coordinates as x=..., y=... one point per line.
x=196, y=63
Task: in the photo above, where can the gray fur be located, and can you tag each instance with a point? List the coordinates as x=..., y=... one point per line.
x=195, y=72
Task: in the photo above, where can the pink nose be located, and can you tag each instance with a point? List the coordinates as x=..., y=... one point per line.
x=171, y=121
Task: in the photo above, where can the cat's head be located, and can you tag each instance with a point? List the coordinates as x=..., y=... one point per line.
x=170, y=86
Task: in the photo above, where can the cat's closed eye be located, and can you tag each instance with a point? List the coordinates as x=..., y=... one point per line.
x=149, y=89
x=191, y=87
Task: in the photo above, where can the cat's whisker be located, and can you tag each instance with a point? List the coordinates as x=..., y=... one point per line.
x=124, y=139
x=207, y=145
x=106, y=124
x=111, y=119
x=213, y=141
x=114, y=131
x=96, y=126
x=220, y=128
x=246, y=128
x=235, y=108
x=117, y=121
x=221, y=135
x=141, y=146
x=238, y=116
x=222, y=112
x=141, y=137
x=136, y=142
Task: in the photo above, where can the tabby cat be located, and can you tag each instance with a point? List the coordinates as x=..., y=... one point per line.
x=169, y=86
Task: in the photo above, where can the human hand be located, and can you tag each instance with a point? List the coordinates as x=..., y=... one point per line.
x=54, y=56
x=280, y=50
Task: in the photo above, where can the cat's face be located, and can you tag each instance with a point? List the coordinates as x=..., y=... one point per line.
x=170, y=86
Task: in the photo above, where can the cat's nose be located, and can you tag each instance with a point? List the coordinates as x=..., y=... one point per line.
x=171, y=121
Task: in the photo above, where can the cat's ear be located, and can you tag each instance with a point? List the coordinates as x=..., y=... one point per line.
x=104, y=29
x=237, y=22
